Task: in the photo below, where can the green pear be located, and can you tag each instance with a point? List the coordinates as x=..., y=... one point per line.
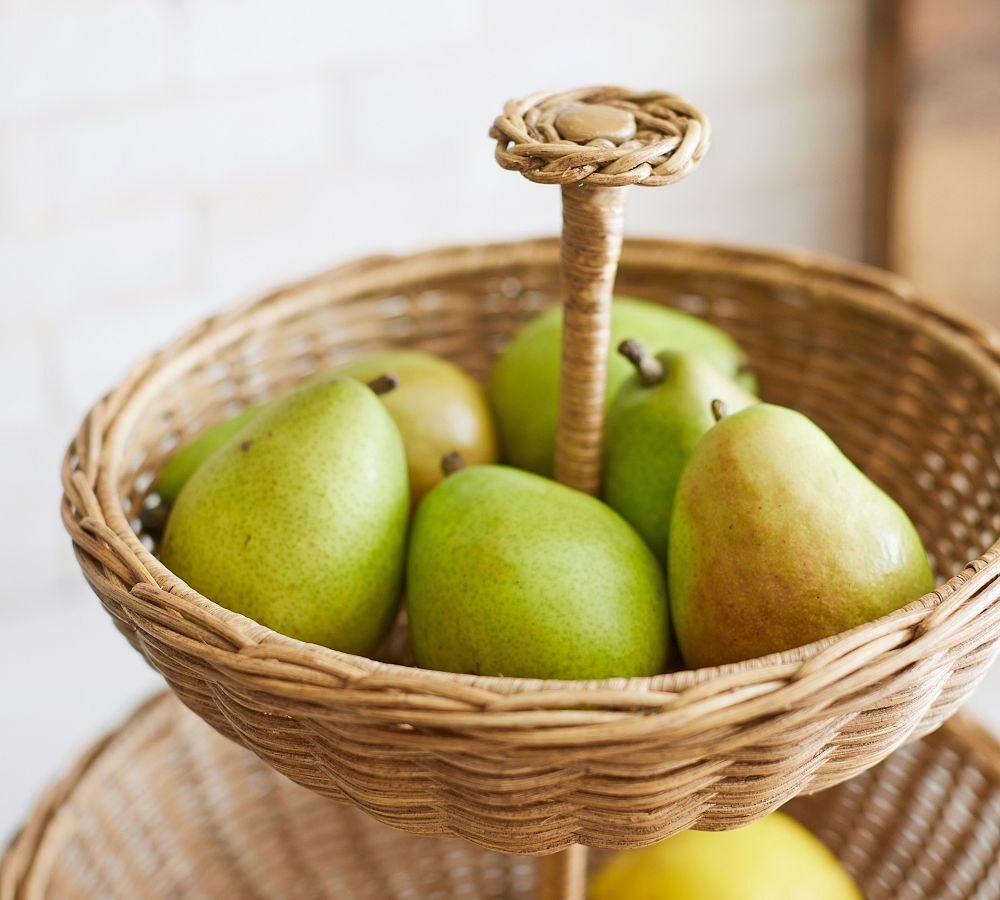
x=299, y=521
x=778, y=540
x=183, y=463
x=437, y=407
x=770, y=859
x=512, y=574
x=654, y=423
x=524, y=386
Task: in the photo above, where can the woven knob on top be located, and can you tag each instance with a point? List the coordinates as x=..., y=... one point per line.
x=594, y=142
x=660, y=138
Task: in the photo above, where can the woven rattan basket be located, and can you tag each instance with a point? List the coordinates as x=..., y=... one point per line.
x=167, y=809
x=910, y=393
x=531, y=766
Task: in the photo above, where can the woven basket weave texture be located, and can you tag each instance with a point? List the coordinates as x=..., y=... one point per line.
x=910, y=393
x=167, y=809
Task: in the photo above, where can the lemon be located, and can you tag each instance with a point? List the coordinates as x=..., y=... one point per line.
x=774, y=858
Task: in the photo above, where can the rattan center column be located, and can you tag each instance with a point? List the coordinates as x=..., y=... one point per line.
x=594, y=142
x=593, y=219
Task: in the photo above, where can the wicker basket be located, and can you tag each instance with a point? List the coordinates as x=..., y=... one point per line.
x=167, y=809
x=909, y=392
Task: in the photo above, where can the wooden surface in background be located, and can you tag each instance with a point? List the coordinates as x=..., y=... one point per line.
x=935, y=142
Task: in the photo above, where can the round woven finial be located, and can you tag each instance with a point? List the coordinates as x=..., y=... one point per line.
x=594, y=142
x=601, y=136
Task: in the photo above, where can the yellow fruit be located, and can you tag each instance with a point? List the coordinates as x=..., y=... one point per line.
x=774, y=858
x=438, y=409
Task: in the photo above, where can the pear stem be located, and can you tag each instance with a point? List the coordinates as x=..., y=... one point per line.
x=384, y=383
x=649, y=369
x=719, y=410
x=452, y=462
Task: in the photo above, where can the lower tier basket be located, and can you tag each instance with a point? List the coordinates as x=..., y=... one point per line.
x=167, y=808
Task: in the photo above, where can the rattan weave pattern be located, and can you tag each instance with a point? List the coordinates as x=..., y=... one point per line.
x=167, y=809
x=670, y=140
x=910, y=393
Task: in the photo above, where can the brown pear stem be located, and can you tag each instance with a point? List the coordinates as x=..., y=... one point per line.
x=384, y=383
x=649, y=369
x=452, y=462
x=719, y=410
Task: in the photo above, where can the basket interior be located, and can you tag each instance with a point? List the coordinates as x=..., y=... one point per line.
x=911, y=401
x=170, y=809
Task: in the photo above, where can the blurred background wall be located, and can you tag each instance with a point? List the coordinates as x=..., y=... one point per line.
x=162, y=158
x=934, y=147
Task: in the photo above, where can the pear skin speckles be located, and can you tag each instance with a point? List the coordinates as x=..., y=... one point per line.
x=778, y=540
x=512, y=574
x=299, y=521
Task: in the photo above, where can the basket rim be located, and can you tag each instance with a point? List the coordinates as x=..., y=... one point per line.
x=25, y=848
x=28, y=851
x=110, y=552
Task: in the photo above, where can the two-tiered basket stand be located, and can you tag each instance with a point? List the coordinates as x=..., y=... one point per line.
x=542, y=767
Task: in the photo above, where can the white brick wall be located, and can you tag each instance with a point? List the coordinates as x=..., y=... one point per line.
x=175, y=147
x=159, y=158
